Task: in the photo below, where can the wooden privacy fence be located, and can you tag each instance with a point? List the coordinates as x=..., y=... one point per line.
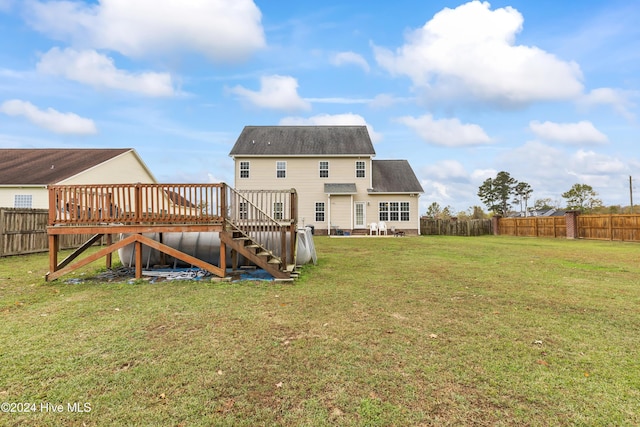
x=539, y=226
x=450, y=227
x=609, y=227
x=24, y=231
x=622, y=227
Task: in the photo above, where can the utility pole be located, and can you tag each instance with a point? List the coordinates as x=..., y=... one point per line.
x=630, y=194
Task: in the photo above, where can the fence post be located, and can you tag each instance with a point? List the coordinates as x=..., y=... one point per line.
x=495, y=223
x=1, y=232
x=571, y=218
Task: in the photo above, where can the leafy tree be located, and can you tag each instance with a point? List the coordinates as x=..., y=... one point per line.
x=474, y=212
x=582, y=197
x=495, y=193
x=522, y=192
x=543, y=204
x=434, y=210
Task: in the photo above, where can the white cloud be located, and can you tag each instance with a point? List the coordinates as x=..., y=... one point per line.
x=223, y=30
x=448, y=183
x=5, y=5
x=346, y=58
x=385, y=100
x=276, y=93
x=333, y=120
x=591, y=163
x=339, y=100
x=583, y=132
x=446, y=132
x=50, y=119
x=447, y=170
x=617, y=99
x=470, y=51
x=90, y=67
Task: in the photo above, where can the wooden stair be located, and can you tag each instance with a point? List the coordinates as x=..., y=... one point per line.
x=237, y=240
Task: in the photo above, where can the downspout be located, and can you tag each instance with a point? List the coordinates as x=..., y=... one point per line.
x=329, y=214
x=351, y=223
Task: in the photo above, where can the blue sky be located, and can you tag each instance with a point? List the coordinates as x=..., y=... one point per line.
x=546, y=90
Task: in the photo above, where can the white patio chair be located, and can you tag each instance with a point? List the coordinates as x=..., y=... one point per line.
x=373, y=228
x=382, y=228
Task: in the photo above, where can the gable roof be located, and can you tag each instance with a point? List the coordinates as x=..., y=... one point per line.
x=303, y=141
x=394, y=176
x=43, y=166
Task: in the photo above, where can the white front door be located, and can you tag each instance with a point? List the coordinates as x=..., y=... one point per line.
x=359, y=211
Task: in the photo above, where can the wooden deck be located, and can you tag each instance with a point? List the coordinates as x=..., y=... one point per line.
x=132, y=210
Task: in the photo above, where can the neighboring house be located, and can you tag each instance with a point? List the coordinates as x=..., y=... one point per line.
x=338, y=183
x=25, y=173
x=539, y=212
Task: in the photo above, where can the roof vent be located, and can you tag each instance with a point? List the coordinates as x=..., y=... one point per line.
x=253, y=142
x=52, y=166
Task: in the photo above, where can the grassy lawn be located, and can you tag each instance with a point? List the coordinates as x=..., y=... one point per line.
x=382, y=332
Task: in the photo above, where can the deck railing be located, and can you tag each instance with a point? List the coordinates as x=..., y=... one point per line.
x=137, y=203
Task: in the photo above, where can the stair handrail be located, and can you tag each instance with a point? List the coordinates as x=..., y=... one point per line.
x=263, y=222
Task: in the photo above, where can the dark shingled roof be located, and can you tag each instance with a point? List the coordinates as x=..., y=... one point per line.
x=394, y=176
x=303, y=141
x=340, y=188
x=43, y=166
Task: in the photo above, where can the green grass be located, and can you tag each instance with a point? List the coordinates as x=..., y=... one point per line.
x=382, y=332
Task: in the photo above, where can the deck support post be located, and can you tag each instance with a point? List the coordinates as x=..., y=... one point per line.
x=223, y=258
x=109, y=257
x=138, y=250
x=54, y=245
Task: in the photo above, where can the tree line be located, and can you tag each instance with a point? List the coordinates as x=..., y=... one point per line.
x=501, y=194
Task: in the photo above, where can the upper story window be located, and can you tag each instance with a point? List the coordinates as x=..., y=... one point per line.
x=324, y=169
x=22, y=201
x=281, y=169
x=360, y=169
x=244, y=169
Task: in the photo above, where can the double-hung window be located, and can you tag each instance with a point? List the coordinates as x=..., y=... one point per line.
x=243, y=210
x=319, y=211
x=323, y=168
x=244, y=169
x=404, y=211
x=278, y=209
x=383, y=211
x=281, y=169
x=360, y=169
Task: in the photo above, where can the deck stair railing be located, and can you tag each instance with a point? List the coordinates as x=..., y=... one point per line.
x=264, y=216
